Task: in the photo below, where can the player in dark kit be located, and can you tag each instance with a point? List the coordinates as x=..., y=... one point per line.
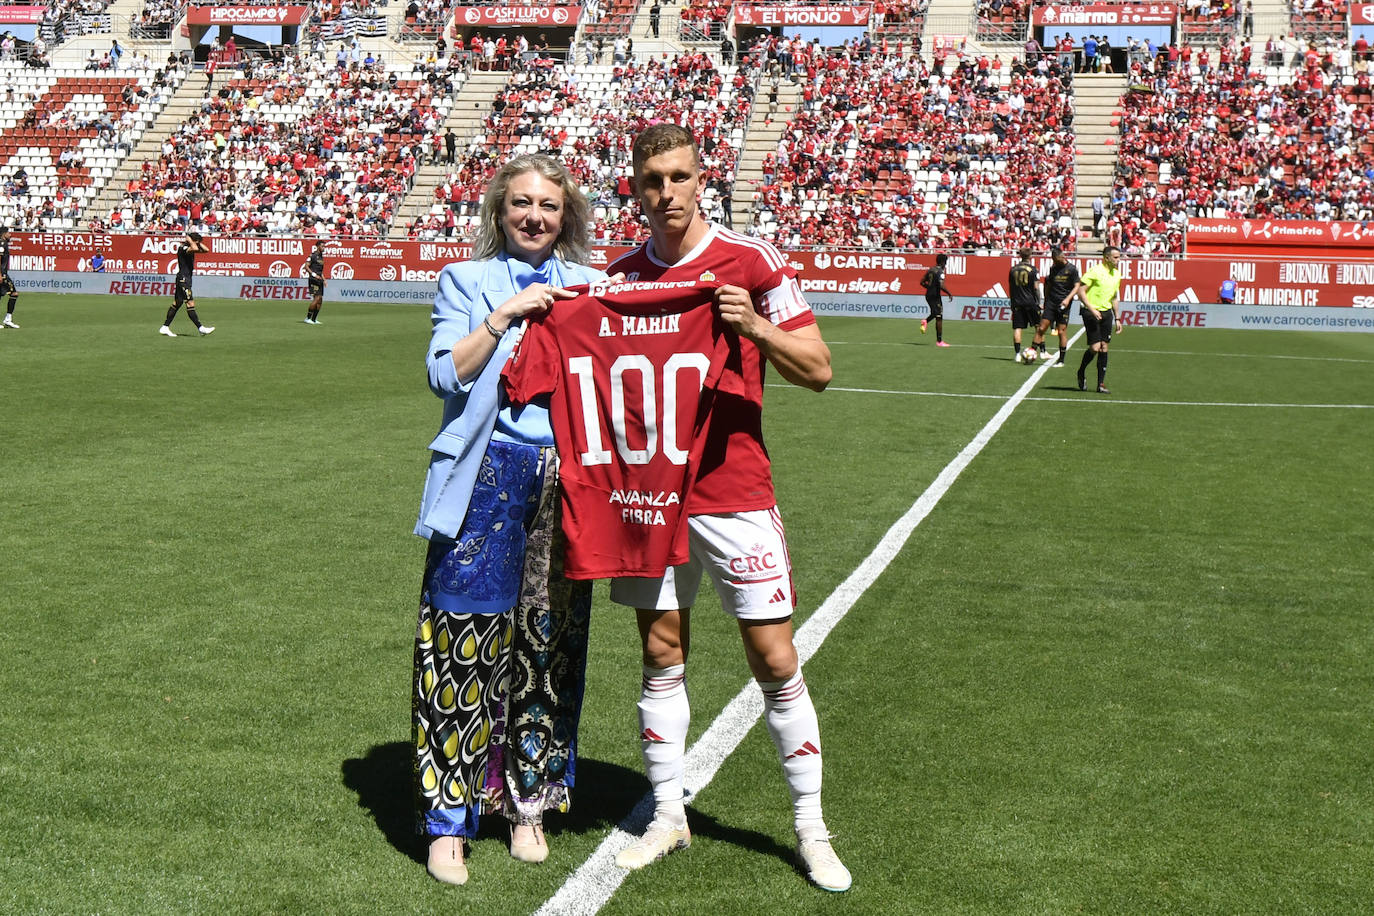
x=6, y=283
x=1061, y=287
x=181, y=293
x=934, y=282
x=1023, y=284
x=314, y=269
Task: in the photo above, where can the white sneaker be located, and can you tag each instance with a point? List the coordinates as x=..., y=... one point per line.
x=817, y=858
x=660, y=839
x=166, y=331
x=9, y=323
x=206, y=329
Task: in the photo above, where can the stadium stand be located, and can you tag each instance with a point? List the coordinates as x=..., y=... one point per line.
x=157, y=18
x=587, y=116
x=295, y=147
x=899, y=16
x=424, y=19
x=62, y=134
x=1319, y=19
x=704, y=20
x=889, y=153
x=336, y=20
x=1242, y=140
x=1002, y=20
x=611, y=19
x=65, y=19
x=873, y=143
x=1208, y=21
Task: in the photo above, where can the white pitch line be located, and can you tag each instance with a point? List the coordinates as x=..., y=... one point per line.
x=596, y=880
x=1203, y=353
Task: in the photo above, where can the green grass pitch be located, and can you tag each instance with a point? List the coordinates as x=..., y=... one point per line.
x=1125, y=666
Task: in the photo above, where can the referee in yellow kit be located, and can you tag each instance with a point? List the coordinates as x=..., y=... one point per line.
x=1101, y=296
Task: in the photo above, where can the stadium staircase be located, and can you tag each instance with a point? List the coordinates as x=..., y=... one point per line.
x=1096, y=123
x=1271, y=19
x=183, y=103
x=761, y=138
x=646, y=45
x=73, y=52
x=466, y=118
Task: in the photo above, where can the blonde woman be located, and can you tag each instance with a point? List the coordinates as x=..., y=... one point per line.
x=501, y=644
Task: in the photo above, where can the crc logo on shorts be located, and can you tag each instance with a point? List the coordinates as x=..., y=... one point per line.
x=761, y=564
x=279, y=269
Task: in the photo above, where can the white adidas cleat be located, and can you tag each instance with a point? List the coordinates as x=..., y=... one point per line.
x=206, y=329
x=9, y=323
x=817, y=858
x=660, y=839
x=166, y=331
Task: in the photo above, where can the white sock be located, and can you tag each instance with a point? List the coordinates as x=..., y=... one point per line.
x=791, y=721
x=664, y=714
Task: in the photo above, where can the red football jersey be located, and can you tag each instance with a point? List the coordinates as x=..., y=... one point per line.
x=633, y=370
x=734, y=474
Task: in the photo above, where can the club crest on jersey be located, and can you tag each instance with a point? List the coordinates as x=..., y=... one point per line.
x=707, y=277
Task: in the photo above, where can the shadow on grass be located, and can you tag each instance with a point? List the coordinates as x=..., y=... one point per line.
x=382, y=780
x=607, y=795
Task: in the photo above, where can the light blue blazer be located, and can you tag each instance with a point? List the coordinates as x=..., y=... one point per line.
x=468, y=292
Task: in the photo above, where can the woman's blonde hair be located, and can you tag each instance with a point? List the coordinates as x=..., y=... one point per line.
x=571, y=244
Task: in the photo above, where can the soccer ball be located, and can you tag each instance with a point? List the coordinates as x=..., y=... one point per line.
x=1029, y=356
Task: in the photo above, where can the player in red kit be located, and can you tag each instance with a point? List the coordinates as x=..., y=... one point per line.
x=735, y=534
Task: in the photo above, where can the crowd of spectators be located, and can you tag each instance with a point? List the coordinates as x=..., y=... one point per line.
x=704, y=20
x=424, y=19
x=65, y=19
x=886, y=149
x=1209, y=10
x=609, y=19
x=1008, y=11
x=67, y=134
x=1217, y=134
x=899, y=16
x=334, y=20
x=888, y=152
x=1319, y=18
x=299, y=147
x=157, y=18
x=587, y=117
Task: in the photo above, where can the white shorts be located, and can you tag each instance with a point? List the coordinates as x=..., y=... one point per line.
x=744, y=553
